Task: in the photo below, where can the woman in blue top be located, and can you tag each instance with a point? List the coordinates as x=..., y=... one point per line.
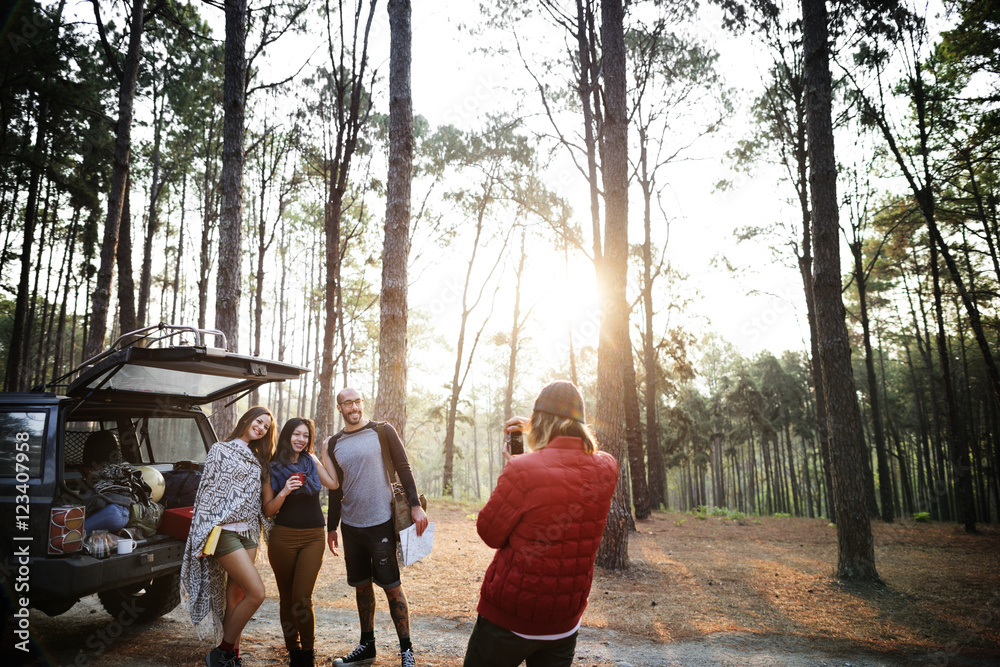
x=296, y=543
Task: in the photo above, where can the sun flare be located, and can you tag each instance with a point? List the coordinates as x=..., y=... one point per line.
x=564, y=301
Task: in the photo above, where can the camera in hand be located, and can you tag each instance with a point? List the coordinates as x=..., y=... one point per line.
x=516, y=443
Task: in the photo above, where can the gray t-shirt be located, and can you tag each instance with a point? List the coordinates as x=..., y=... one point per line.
x=367, y=496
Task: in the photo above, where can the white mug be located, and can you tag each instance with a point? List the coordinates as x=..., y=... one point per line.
x=126, y=545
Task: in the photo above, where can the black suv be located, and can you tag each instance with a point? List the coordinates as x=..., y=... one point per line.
x=146, y=391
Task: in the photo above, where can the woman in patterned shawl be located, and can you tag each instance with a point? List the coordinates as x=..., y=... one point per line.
x=226, y=584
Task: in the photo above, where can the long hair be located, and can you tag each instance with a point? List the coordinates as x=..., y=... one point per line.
x=283, y=452
x=545, y=426
x=262, y=447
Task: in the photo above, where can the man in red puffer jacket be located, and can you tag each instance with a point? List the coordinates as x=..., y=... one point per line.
x=545, y=518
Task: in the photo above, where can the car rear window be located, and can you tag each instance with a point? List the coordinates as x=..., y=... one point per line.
x=161, y=439
x=23, y=436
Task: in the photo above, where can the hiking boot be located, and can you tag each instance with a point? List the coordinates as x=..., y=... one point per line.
x=306, y=657
x=364, y=654
x=406, y=658
x=219, y=658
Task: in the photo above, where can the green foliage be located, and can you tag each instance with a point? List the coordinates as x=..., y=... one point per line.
x=922, y=517
x=782, y=515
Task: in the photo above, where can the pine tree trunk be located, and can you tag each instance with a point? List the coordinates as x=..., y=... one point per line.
x=283, y=315
x=807, y=480
x=457, y=380
x=805, y=270
x=326, y=405
x=793, y=481
x=152, y=221
x=208, y=222
x=718, y=481
x=179, y=256
x=587, y=88
x=931, y=441
x=924, y=194
x=32, y=366
x=611, y=280
x=752, y=504
x=957, y=446
x=116, y=193
x=50, y=303
x=633, y=439
x=126, y=285
x=657, y=473
x=569, y=325
x=307, y=314
x=60, y=349
x=348, y=98
x=392, y=369
x=15, y=373
x=515, y=331
x=984, y=216
x=767, y=438
x=884, y=471
x=856, y=551
x=228, y=286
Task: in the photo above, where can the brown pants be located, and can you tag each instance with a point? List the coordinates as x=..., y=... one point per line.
x=296, y=555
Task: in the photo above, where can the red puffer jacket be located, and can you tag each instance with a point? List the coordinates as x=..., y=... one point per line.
x=545, y=517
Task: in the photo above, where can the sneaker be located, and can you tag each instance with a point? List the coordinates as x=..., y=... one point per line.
x=406, y=658
x=219, y=658
x=364, y=654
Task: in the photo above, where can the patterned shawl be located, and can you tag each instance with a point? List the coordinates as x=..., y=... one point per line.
x=229, y=492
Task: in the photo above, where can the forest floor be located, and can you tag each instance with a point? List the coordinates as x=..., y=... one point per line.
x=708, y=591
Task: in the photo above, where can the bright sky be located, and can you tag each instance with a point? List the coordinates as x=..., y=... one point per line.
x=762, y=308
x=759, y=307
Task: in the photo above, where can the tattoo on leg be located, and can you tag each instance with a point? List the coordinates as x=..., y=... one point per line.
x=399, y=610
x=366, y=607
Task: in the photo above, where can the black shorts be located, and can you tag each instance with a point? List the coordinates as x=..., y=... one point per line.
x=370, y=555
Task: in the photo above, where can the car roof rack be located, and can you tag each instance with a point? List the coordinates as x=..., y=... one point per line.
x=156, y=335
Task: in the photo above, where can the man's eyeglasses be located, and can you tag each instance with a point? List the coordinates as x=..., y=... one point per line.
x=348, y=404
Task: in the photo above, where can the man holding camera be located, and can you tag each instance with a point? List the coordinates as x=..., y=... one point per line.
x=362, y=505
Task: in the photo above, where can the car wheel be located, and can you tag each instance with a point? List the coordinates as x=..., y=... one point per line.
x=143, y=601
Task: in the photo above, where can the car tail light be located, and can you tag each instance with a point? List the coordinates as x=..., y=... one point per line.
x=66, y=529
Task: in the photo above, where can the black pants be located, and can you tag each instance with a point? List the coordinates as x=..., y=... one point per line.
x=493, y=646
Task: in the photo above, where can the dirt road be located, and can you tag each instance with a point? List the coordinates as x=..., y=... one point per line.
x=88, y=637
x=699, y=593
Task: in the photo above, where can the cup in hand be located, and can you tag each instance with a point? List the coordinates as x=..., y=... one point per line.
x=301, y=476
x=126, y=545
